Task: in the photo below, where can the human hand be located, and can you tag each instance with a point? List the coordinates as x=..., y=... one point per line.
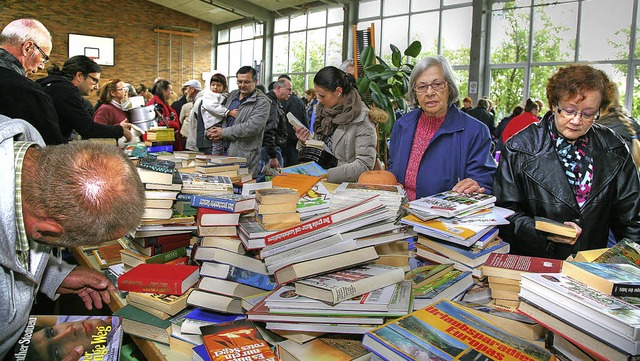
x=303, y=134
x=467, y=186
x=214, y=133
x=232, y=113
x=274, y=163
x=560, y=239
x=92, y=286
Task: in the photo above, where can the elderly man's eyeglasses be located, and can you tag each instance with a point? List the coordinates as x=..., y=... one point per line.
x=436, y=86
x=45, y=57
x=572, y=113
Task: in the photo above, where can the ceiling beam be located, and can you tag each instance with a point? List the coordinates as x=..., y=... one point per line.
x=242, y=7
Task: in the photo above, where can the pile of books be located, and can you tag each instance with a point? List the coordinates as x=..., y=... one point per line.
x=392, y=196
x=219, y=214
x=276, y=208
x=233, y=167
x=160, y=139
x=153, y=173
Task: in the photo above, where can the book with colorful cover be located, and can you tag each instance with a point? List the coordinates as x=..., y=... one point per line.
x=447, y=331
x=444, y=229
x=450, y=285
x=237, y=340
x=308, y=168
x=99, y=336
x=426, y=274
x=472, y=257
x=334, y=347
x=317, y=198
x=237, y=274
x=157, y=165
x=234, y=203
x=450, y=203
x=300, y=182
x=206, y=182
x=610, y=278
x=625, y=251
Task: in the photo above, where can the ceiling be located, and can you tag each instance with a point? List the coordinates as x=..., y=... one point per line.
x=220, y=12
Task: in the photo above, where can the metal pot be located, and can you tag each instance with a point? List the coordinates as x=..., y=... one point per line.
x=143, y=117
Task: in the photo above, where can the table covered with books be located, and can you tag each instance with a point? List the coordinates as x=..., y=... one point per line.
x=293, y=267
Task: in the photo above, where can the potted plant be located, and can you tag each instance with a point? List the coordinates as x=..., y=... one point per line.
x=383, y=87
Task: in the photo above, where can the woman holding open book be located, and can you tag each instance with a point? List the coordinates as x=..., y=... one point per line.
x=570, y=170
x=437, y=147
x=343, y=124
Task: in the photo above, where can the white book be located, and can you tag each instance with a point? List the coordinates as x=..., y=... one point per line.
x=223, y=256
x=342, y=285
x=450, y=203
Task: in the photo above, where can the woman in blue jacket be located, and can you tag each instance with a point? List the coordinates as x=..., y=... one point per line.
x=437, y=147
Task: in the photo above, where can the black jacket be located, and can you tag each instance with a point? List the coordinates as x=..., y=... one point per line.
x=72, y=113
x=484, y=116
x=296, y=106
x=275, y=132
x=21, y=97
x=531, y=181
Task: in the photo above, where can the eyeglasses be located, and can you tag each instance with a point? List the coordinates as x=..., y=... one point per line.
x=93, y=79
x=572, y=113
x=45, y=57
x=436, y=86
x=123, y=89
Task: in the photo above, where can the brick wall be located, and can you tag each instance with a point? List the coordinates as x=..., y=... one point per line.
x=141, y=54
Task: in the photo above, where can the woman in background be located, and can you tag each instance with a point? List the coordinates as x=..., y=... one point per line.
x=343, y=124
x=437, y=147
x=529, y=116
x=111, y=95
x=162, y=91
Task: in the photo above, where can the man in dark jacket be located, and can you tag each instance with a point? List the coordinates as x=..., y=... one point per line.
x=275, y=132
x=482, y=113
x=295, y=105
x=24, y=48
x=78, y=77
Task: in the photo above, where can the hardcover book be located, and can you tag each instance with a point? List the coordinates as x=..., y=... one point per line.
x=159, y=278
x=236, y=340
x=219, y=255
x=472, y=257
x=161, y=240
x=133, y=258
x=610, y=278
x=342, y=285
x=212, y=217
x=450, y=203
x=227, y=288
x=513, y=266
x=170, y=304
x=158, y=249
x=145, y=325
x=99, y=336
x=447, y=331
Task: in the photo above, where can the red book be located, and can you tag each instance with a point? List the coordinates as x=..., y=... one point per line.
x=213, y=217
x=159, y=278
x=152, y=241
x=237, y=340
x=512, y=266
x=324, y=221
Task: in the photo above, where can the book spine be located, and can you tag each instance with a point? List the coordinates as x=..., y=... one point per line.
x=226, y=205
x=626, y=290
x=180, y=261
x=160, y=148
x=298, y=251
x=299, y=230
x=168, y=256
x=250, y=278
x=157, y=166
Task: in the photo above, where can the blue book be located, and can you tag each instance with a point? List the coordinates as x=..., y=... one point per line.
x=213, y=317
x=224, y=202
x=185, y=197
x=160, y=148
x=200, y=353
x=237, y=274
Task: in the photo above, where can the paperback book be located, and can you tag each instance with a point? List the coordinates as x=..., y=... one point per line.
x=450, y=203
x=237, y=340
x=610, y=278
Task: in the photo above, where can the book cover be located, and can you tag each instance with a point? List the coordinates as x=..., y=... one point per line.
x=157, y=165
x=237, y=274
x=316, y=198
x=233, y=203
x=610, y=278
x=294, y=121
x=252, y=228
x=509, y=319
x=212, y=254
x=512, y=266
x=133, y=258
x=143, y=324
x=308, y=168
x=450, y=203
x=342, y=285
x=445, y=229
x=324, y=221
x=170, y=304
x=333, y=347
x=426, y=274
x=447, y=331
x=300, y=182
x=107, y=255
x=625, y=251
x=448, y=286
x=160, y=148
x=55, y=337
x=472, y=257
x=238, y=340
x=158, y=249
x=159, y=278
x=197, y=181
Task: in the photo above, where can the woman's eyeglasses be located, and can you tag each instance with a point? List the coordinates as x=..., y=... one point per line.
x=436, y=86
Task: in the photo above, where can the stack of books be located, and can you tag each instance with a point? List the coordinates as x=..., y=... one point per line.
x=595, y=322
x=504, y=272
x=198, y=183
x=252, y=233
x=160, y=136
x=392, y=196
x=227, y=277
x=131, y=257
x=232, y=167
x=158, y=203
x=276, y=208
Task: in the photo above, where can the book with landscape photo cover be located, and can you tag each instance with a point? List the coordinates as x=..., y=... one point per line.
x=450, y=203
x=610, y=278
x=625, y=251
x=237, y=340
x=334, y=347
x=448, y=331
x=426, y=274
x=99, y=336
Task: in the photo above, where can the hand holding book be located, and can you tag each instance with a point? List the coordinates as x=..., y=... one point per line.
x=567, y=232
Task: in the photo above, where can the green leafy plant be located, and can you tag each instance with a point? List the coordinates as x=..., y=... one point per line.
x=385, y=86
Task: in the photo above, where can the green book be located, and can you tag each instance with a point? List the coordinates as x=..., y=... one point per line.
x=139, y=323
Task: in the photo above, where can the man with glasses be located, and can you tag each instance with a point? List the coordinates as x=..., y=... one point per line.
x=275, y=132
x=78, y=77
x=244, y=132
x=570, y=170
x=24, y=48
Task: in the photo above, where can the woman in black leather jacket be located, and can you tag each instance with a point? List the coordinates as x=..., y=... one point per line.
x=569, y=169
